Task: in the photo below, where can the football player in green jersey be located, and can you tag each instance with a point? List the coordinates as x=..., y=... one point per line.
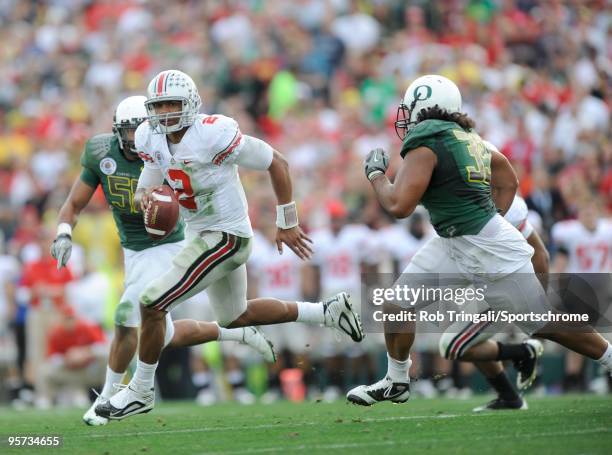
x=111, y=161
x=447, y=168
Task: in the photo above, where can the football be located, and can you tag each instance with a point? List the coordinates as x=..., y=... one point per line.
x=163, y=213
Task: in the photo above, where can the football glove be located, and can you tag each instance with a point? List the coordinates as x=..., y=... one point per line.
x=61, y=249
x=376, y=163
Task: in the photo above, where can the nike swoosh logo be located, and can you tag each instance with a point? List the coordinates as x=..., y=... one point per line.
x=345, y=324
x=387, y=393
x=129, y=408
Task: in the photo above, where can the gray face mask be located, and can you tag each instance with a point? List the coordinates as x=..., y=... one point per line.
x=121, y=131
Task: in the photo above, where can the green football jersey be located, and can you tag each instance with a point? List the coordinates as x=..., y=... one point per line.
x=458, y=197
x=104, y=164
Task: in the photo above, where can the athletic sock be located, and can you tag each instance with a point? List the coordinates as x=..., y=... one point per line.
x=144, y=377
x=201, y=380
x=503, y=387
x=112, y=378
x=397, y=370
x=230, y=334
x=310, y=312
x=606, y=358
x=512, y=351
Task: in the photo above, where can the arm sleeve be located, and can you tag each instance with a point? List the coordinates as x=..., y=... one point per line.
x=254, y=154
x=150, y=177
x=88, y=175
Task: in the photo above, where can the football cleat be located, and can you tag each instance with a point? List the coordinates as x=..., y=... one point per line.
x=126, y=403
x=93, y=419
x=499, y=404
x=255, y=338
x=339, y=314
x=528, y=368
x=383, y=390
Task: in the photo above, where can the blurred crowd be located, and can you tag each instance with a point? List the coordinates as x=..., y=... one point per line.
x=320, y=80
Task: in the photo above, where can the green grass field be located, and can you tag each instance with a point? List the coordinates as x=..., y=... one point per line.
x=558, y=425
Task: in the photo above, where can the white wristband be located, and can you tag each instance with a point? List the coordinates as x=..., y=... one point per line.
x=286, y=215
x=64, y=228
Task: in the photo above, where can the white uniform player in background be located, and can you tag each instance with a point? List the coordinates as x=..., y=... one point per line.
x=401, y=241
x=199, y=156
x=282, y=277
x=343, y=251
x=582, y=246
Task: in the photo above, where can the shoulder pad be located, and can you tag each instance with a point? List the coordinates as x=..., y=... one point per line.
x=218, y=135
x=97, y=148
x=424, y=131
x=99, y=145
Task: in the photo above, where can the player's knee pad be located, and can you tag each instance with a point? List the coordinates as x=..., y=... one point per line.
x=147, y=296
x=169, y=330
x=445, y=343
x=127, y=314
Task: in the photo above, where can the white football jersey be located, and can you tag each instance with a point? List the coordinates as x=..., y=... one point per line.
x=340, y=257
x=202, y=171
x=400, y=244
x=278, y=275
x=517, y=216
x=588, y=251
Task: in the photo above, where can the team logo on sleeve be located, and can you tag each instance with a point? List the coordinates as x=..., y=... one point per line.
x=108, y=166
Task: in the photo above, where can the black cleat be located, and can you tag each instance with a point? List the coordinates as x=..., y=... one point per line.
x=499, y=404
x=528, y=368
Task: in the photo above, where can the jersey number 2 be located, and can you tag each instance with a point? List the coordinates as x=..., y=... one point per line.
x=185, y=194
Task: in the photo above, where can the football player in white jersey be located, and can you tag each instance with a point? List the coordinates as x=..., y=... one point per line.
x=343, y=252
x=270, y=273
x=447, y=167
x=402, y=242
x=582, y=246
x=144, y=258
x=199, y=156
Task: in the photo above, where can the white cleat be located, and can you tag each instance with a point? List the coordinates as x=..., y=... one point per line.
x=126, y=403
x=255, y=338
x=383, y=390
x=93, y=419
x=340, y=315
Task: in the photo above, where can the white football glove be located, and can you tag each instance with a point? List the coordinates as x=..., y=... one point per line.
x=61, y=249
